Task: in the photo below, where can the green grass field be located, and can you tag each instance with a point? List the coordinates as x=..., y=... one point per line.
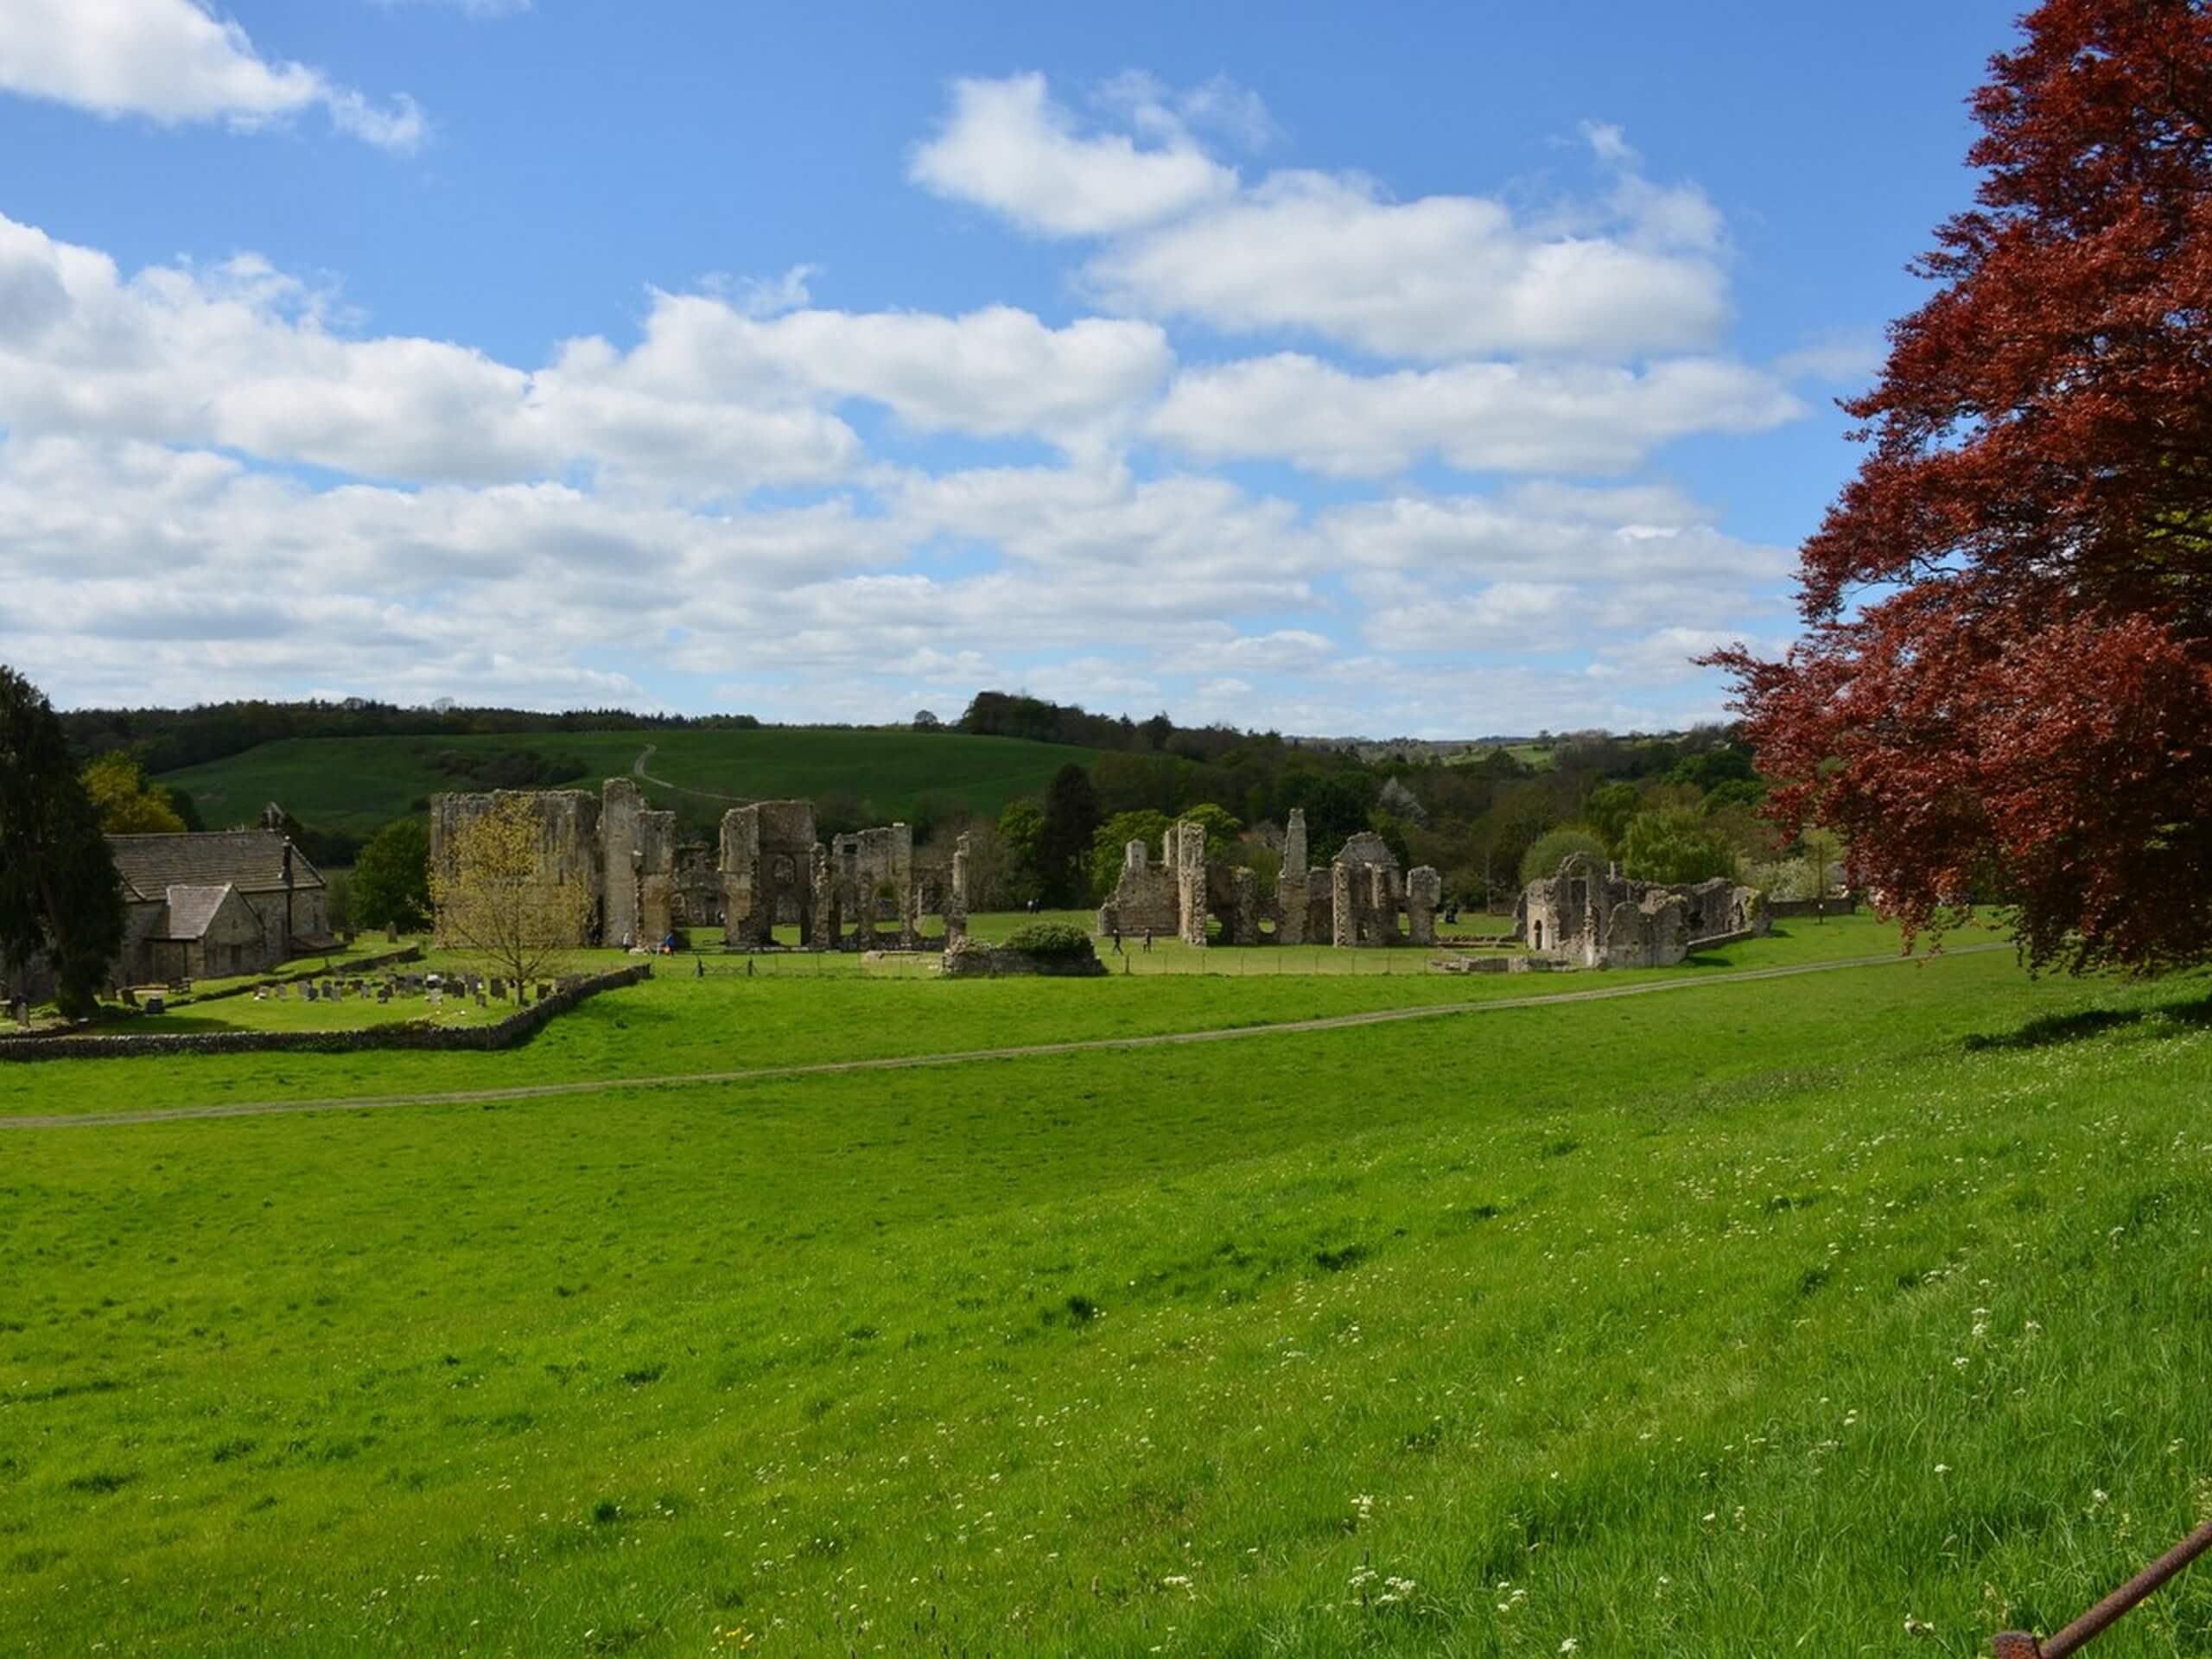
x=1864, y=1311
x=359, y=784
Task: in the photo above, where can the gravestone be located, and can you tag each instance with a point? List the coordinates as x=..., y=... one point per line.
x=156, y=1003
x=499, y=989
x=309, y=992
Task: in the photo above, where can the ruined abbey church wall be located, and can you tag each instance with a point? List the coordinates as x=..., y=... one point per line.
x=567, y=823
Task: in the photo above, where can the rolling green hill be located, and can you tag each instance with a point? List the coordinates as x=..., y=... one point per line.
x=1684, y=1323
x=356, y=785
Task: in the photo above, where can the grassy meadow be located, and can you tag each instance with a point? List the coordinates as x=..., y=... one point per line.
x=359, y=784
x=1864, y=1311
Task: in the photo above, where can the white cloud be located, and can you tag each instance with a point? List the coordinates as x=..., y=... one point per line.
x=582, y=531
x=1008, y=147
x=173, y=60
x=1637, y=271
x=1847, y=360
x=995, y=371
x=1478, y=417
x=1440, y=278
x=710, y=401
x=1443, y=541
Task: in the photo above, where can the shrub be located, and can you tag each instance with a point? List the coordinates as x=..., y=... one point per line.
x=1552, y=849
x=1056, y=941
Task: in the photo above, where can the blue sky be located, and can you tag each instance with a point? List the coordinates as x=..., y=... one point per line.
x=1402, y=370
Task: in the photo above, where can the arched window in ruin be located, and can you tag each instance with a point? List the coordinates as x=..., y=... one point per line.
x=1537, y=935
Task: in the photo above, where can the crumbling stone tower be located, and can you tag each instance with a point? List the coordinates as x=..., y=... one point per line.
x=767, y=864
x=1296, y=889
x=1186, y=850
x=637, y=850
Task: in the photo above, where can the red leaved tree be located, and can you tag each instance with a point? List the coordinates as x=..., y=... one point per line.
x=2005, y=689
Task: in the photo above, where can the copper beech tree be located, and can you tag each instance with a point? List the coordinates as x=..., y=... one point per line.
x=2006, y=687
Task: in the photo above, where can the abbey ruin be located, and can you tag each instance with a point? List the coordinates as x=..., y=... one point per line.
x=1362, y=898
x=770, y=869
x=1586, y=917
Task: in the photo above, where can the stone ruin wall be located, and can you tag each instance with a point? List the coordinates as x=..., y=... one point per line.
x=1146, y=899
x=567, y=828
x=872, y=882
x=768, y=874
x=1357, y=900
x=1599, y=918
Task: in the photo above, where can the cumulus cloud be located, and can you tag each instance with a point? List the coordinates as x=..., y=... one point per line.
x=711, y=400
x=1639, y=269
x=1440, y=277
x=1478, y=416
x=172, y=60
x=599, y=526
x=1006, y=146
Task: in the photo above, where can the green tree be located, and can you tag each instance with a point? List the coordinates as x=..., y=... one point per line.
x=1072, y=819
x=1021, y=834
x=392, y=882
x=1221, y=826
x=1672, y=844
x=127, y=804
x=491, y=896
x=1337, y=806
x=1549, y=849
x=1109, y=843
x=59, y=894
x=1608, y=808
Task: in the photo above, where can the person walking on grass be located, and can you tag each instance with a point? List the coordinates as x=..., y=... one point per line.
x=1117, y=938
x=1147, y=941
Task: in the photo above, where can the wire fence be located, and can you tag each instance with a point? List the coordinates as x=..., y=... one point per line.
x=1165, y=958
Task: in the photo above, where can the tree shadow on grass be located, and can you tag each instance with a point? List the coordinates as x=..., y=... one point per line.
x=2045, y=1031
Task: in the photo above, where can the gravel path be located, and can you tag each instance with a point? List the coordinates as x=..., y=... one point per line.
x=966, y=1057
x=637, y=770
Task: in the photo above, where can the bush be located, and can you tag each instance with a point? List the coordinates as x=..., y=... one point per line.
x=1054, y=941
x=1552, y=848
x=1675, y=845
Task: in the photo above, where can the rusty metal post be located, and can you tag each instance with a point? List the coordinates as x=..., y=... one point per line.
x=2017, y=1644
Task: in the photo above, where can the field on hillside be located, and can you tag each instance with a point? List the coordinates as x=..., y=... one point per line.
x=1863, y=1310
x=357, y=786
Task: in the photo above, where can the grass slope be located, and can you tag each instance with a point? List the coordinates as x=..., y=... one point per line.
x=804, y=1009
x=1739, y=1321
x=359, y=785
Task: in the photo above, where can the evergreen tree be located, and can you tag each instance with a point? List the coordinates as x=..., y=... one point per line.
x=1072, y=819
x=59, y=895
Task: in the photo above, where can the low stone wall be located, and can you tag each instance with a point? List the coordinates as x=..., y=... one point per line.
x=975, y=960
x=517, y=1027
x=1520, y=964
x=1718, y=939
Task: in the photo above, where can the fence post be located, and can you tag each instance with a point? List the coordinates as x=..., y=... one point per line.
x=2020, y=1644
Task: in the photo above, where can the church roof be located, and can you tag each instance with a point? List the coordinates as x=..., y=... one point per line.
x=252, y=861
x=191, y=909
